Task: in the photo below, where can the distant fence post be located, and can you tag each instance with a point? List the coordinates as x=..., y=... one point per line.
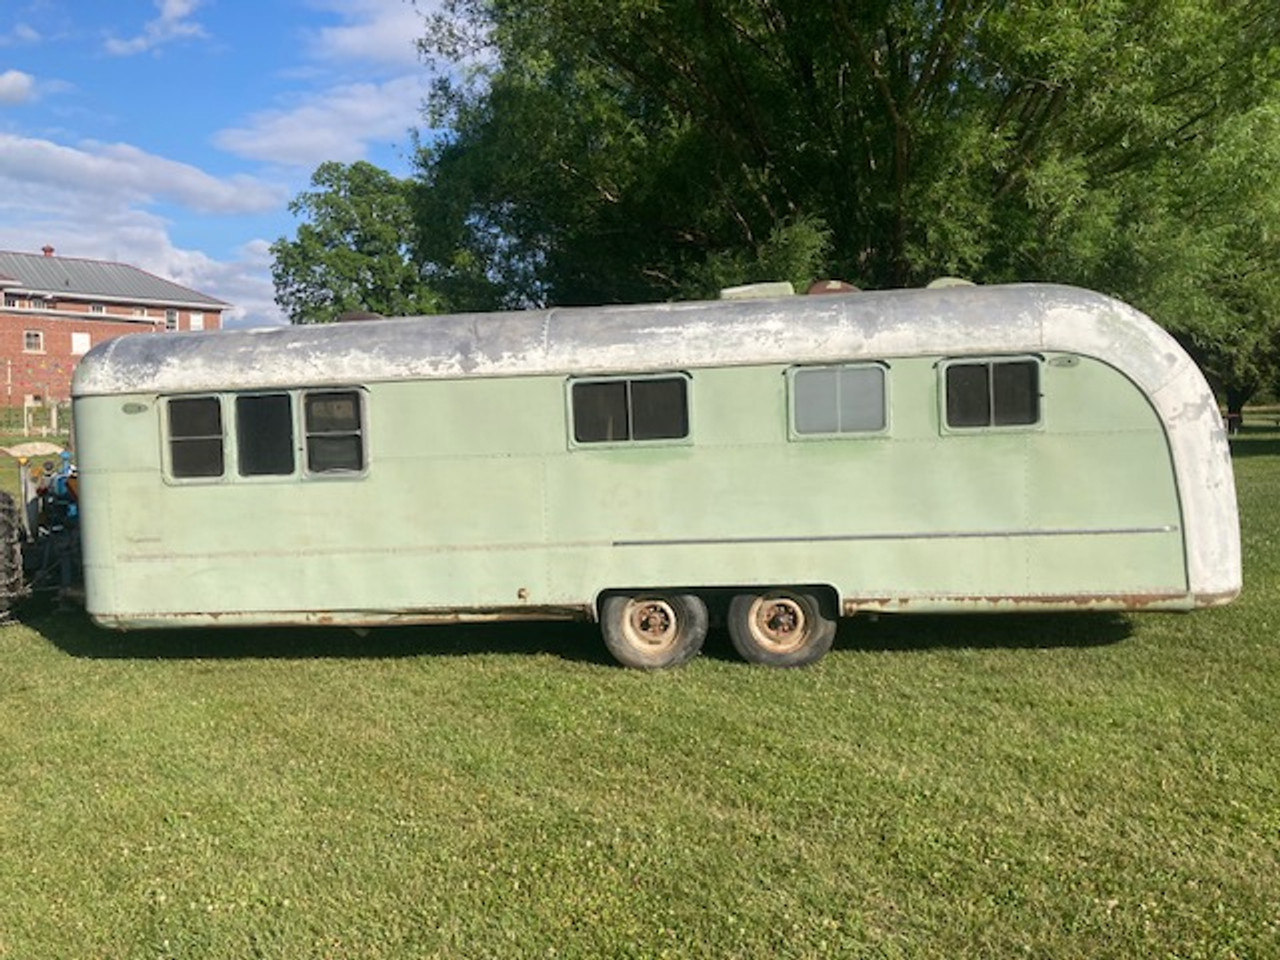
x=35, y=418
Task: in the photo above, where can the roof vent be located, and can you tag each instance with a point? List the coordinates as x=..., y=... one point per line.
x=47, y=250
x=756, y=291
x=831, y=286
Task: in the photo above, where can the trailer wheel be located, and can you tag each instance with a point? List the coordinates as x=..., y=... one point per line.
x=780, y=628
x=653, y=630
x=12, y=583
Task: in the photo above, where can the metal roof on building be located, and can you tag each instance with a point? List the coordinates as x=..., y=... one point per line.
x=53, y=276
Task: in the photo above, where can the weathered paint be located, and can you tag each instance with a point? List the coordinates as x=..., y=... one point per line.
x=474, y=500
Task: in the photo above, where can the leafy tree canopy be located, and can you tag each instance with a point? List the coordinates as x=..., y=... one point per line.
x=353, y=252
x=610, y=150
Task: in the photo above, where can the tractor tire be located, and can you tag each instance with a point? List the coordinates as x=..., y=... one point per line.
x=13, y=585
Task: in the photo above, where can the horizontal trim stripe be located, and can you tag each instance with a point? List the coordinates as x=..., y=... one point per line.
x=872, y=537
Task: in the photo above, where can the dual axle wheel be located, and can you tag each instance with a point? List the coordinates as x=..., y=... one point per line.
x=780, y=628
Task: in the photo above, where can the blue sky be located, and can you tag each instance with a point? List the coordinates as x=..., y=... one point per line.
x=171, y=134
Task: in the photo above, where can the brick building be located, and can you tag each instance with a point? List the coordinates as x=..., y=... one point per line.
x=56, y=308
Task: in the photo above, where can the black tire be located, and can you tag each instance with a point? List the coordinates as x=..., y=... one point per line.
x=653, y=630
x=780, y=628
x=13, y=586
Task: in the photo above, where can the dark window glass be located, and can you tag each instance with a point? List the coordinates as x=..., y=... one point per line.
x=195, y=417
x=999, y=393
x=335, y=441
x=659, y=409
x=195, y=437
x=600, y=411
x=615, y=410
x=968, y=395
x=1015, y=391
x=264, y=435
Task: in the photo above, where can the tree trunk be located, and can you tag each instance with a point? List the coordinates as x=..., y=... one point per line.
x=1237, y=397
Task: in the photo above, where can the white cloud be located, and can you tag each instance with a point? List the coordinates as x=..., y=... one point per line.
x=376, y=32
x=21, y=33
x=174, y=23
x=91, y=200
x=16, y=86
x=142, y=240
x=334, y=125
x=132, y=175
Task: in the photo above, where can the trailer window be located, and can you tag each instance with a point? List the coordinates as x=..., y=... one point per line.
x=195, y=437
x=833, y=400
x=996, y=393
x=651, y=408
x=335, y=438
x=264, y=435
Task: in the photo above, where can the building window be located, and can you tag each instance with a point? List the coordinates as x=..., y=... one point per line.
x=12, y=301
x=838, y=400
x=80, y=343
x=38, y=303
x=651, y=408
x=196, y=321
x=264, y=435
x=32, y=341
x=140, y=312
x=335, y=441
x=195, y=437
x=994, y=393
x=171, y=319
x=97, y=308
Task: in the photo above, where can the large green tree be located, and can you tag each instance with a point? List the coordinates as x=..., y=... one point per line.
x=353, y=252
x=638, y=149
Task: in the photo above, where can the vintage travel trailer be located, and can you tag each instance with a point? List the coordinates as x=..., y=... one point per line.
x=776, y=462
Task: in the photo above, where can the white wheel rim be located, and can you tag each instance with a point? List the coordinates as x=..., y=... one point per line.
x=651, y=622
x=779, y=623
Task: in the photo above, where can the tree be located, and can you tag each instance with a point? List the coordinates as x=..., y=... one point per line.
x=627, y=150
x=355, y=251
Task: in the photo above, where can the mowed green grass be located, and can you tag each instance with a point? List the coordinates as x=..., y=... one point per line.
x=1070, y=786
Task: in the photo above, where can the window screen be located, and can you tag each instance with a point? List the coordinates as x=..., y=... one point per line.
x=195, y=437
x=839, y=400
x=641, y=409
x=998, y=393
x=335, y=439
x=264, y=435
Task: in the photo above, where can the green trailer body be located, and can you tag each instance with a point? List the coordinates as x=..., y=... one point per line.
x=534, y=464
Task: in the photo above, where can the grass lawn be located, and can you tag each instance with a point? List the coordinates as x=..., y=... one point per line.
x=1070, y=786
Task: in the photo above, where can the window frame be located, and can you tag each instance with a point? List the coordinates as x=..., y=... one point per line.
x=167, y=441
x=629, y=442
x=229, y=414
x=795, y=434
x=239, y=474
x=991, y=362
x=39, y=341
x=305, y=434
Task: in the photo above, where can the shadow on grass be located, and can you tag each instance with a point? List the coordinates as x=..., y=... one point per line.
x=1013, y=631
x=1256, y=441
x=1255, y=446
x=74, y=634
